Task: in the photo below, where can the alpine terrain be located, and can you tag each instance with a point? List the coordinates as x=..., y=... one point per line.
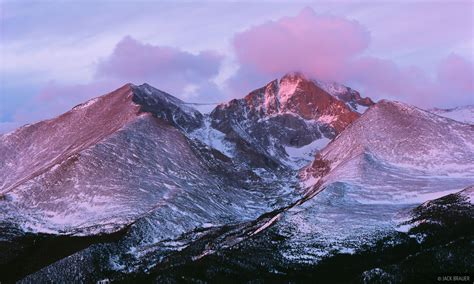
x=298, y=181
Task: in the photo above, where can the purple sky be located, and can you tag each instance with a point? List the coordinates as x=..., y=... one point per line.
x=55, y=54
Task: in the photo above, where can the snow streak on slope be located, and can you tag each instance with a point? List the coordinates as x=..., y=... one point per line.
x=301, y=156
x=213, y=138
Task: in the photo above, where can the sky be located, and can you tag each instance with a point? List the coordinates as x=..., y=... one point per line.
x=57, y=54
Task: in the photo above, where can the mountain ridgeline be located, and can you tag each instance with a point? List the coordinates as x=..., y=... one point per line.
x=298, y=179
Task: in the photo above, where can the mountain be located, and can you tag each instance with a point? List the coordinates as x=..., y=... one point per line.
x=107, y=162
x=393, y=157
x=288, y=119
x=463, y=114
x=136, y=161
x=40, y=146
x=137, y=185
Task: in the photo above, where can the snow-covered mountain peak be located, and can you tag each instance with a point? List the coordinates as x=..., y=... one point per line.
x=403, y=112
x=286, y=117
x=292, y=79
x=41, y=145
x=295, y=94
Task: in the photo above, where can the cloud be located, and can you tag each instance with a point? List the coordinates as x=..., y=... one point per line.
x=452, y=85
x=381, y=78
x=178, y=72
x=319, y=46
x=335, y=49
x=457, y=73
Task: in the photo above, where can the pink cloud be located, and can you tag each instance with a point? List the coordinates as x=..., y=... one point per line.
x=452, y=86
x=428, y=25
x=457, y=73
x=167, y=68
x=316, y=45
x=333, y=49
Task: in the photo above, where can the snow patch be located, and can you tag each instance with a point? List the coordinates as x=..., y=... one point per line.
x=300, y=156
x=332, y=88
x=287, y=89
x=327, y=118
x=361, y=109
x=213, y=138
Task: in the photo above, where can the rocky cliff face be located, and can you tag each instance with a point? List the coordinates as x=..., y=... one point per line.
x=286, y=115
x=292, y=94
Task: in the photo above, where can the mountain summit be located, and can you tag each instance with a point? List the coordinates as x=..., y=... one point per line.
x=288, y=119
x=297, y=95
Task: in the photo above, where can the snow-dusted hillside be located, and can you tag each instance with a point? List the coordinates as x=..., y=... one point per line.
x=392, y=158
x=441, y=212
x=396, y=135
